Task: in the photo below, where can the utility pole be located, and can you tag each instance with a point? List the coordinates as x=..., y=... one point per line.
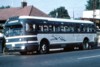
x=94, y=8
x=73, y=15
x=99, y=7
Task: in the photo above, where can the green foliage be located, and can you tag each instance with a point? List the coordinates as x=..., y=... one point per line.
x=60, y=12
x=3, y=7
x=90, y=4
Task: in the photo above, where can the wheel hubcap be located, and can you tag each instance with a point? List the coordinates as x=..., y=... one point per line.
x=44, y=47
x=87, y=45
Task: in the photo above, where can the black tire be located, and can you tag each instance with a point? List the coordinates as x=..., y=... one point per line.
x=86, y=45
x=44, y=48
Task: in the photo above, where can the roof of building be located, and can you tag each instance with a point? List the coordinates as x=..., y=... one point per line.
x=21, y=11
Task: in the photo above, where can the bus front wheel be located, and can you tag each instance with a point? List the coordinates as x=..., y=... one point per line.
x=44, y=48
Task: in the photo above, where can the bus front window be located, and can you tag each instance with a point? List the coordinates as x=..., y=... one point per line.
x=13, y=30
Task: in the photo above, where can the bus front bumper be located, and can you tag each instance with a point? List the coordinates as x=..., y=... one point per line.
x=22, y=47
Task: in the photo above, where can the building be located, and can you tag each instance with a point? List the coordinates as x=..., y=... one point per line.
x=92, y=16
x=19, y=11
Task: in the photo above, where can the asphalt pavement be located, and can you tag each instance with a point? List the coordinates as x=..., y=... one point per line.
x=82, y=58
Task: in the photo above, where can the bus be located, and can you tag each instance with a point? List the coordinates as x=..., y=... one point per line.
x=31, y=33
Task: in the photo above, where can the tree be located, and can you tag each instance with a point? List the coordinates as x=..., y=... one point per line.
x=3, y=7
x=93, y=3
x=60, y=12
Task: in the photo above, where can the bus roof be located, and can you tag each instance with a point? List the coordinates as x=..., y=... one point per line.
x=55, y=19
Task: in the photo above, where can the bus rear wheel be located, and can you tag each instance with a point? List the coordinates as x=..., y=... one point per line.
x=86, y=45
x=44, y=48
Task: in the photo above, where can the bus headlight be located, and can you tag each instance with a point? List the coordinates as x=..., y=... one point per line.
x=22, y=47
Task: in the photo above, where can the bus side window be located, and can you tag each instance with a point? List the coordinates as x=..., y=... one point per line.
x=62, y=29
x=78, y=28
x=87, y=29
x=57, y=28
x=50, y=28
x=84, y=29
x=71, y=29
x=45, y=28
x=30, y=27
x=27, y=27
x=34, y=27
x=53, y=28
x=93, y=28
x=67, y=29
x=40, y=28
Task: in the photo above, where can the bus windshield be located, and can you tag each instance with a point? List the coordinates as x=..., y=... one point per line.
x=13, y=30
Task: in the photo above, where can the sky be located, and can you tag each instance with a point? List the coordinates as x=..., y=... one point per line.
x=74, y=7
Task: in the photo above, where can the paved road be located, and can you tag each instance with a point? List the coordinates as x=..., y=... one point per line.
x=86, y=58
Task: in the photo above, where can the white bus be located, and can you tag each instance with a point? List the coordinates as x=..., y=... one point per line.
x=31, y=33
